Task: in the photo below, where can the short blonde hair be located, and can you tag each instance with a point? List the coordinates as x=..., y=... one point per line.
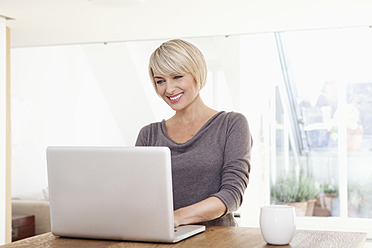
x=177, y=57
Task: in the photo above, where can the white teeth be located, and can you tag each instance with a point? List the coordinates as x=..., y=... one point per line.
x=176, y=97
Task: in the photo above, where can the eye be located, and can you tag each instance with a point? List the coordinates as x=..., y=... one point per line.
x=160, y=81
x=177, y=77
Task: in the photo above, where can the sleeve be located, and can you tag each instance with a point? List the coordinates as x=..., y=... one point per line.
x=142, y=138
x=236, y=167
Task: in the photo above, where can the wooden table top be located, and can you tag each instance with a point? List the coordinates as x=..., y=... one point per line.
x=215, y=237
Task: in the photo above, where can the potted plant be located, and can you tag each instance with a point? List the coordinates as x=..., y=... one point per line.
x=324, y=203
x=299, y=192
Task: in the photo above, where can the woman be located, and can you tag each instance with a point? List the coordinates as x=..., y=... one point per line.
x=210, y=150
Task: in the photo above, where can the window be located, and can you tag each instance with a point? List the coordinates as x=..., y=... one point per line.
x=328, y=87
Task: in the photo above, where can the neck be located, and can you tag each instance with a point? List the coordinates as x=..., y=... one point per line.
x=195, y=111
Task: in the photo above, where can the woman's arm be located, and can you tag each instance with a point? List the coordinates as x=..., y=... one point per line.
x=234, y=177
x=208, y=209
x=236, y=163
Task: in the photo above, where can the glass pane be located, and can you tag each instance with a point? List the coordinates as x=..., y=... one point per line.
x=359, y=149
x=331, y=72
x=293, y=181
x=359, y=122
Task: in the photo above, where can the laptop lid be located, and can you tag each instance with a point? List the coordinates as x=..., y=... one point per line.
x=121, y=193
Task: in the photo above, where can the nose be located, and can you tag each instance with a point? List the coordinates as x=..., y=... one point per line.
x=171, y=87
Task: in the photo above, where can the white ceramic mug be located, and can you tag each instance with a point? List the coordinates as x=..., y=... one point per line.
x=278, y=224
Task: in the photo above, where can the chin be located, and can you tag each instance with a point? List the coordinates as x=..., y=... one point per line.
x=176, y=108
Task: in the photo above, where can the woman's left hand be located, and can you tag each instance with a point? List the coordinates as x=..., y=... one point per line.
x=206, y=210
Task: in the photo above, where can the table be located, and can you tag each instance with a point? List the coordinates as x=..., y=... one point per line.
x=23, y=226
x=215, y=237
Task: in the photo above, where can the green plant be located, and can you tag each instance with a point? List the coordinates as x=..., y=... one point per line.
x=293, y=189
x=329, y=188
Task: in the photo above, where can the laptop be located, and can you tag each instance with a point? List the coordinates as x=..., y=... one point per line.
x=117, y=193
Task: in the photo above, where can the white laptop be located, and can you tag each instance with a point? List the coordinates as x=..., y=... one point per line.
x=119, y=193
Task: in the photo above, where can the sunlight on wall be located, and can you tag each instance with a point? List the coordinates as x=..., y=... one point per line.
x=72, y=95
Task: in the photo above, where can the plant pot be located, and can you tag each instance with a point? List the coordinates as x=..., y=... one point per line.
x=324, y=204
x=310, y=207
x=300, y=207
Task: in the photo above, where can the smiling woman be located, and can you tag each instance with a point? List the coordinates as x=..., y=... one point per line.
x=210, y=149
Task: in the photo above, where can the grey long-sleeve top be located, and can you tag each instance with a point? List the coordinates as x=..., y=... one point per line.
x=214, y=162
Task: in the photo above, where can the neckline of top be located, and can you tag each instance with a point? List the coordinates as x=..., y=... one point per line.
x=193, y=137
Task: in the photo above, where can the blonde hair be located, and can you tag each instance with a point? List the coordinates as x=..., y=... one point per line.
x=177, y=57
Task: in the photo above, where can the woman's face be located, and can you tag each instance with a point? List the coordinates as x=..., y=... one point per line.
x=178, y=91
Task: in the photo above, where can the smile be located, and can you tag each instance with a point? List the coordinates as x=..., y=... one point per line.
x=175, y=98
